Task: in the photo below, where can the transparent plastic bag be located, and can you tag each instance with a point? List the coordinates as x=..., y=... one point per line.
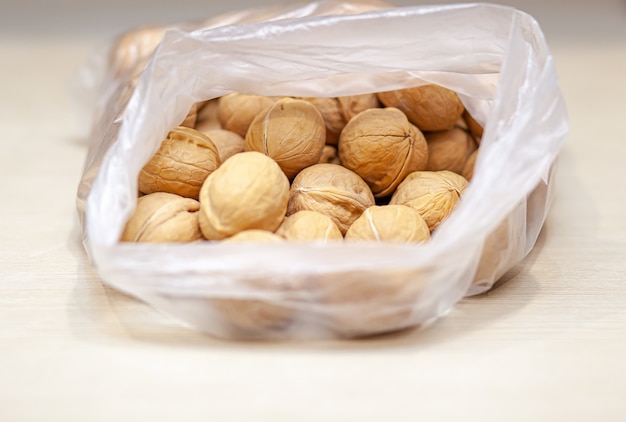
x=494, y=57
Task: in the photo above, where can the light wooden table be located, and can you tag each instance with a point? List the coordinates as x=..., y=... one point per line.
x=548, y=344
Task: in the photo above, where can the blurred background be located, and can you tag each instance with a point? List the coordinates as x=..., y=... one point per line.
x=564, y=21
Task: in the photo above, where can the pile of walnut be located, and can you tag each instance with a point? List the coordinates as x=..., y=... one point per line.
x=389, y=166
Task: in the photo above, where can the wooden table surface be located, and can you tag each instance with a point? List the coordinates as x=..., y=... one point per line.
x=548, y=343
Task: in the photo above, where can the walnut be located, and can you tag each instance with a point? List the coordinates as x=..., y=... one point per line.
x=163, y=217
x=468, y=168
x=236, y=111
x=291, y=132
x=449, y=149
x=367, y=302
x=309, y=225
x=192, y=116
x=248, y=191
x=228, y=143
x=329, y=155
x=429, y=107
x=251, y=316
x=389, y=223
x=254, y=236
x=431, y=193
x=181, y=164
x=334, y=120
x=133, y=49
x=207, y=116
x=474, y=127
x=382, y=147
x=332, y=190
x=354, y=104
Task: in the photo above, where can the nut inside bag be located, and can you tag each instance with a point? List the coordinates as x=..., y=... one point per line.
x=493, y=57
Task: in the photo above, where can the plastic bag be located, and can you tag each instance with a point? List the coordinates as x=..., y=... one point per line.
x=494, y=57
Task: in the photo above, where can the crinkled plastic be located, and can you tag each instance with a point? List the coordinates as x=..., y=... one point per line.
x=495, y=57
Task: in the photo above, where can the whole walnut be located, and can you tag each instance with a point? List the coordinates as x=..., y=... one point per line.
x=431, y=193
x=354, y=104
x=329, y=155
x=332, y=190
x=309, y=225
x=192, y=116
x=468, y=168
x=474, y=127
x=228, y=143
x=291, y=132
x=132, y=50
x=254, y=236
x=181, y=164
x=334, y=120
x=236, y=111
x=248, y=191
x=369, y=301
x=250, y=317
x=389, y=223
x=382, y=146
x=429, y=107
x=207, y=116
x=449, y=149
x=163, y=217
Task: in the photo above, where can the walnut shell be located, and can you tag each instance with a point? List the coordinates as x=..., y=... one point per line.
x=236, y=111
x=334, y=120
x=251, y=315
x=248, y=191
x=192, y=116
x=207, y=116
x=228, y=143
x=332, y=190
x=163, y=217
x=181, y=164
x=449, y=149
x=474, y=127
x=429, y=107
x=468, y=168
x=431, y=193
x=131, y=50
x=309, y=225
x=291, y=132
x=368, y=302
x=254, y=236
x=382, y=147
x=354, y=104
x=389, y=223
x=329, y=155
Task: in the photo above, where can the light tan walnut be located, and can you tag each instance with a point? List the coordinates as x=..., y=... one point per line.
x=291, y=132
x=382, y=147
x=468, y=168
x=254, y=236
x=163, y=217
x=354, y=104
x=329, y=155
x=431, y=193
x=252, y=315
x=236, y=111
x=208, y=115
x=332, y=190
x=308, y=225
x=449, y=149
x=132, y=50
x=192, y=116
x=389, y=223
x=248, y=191
x=474, y=127
x=429, y=107
x=181, y=164
x=334, y=120
x=228, y=143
